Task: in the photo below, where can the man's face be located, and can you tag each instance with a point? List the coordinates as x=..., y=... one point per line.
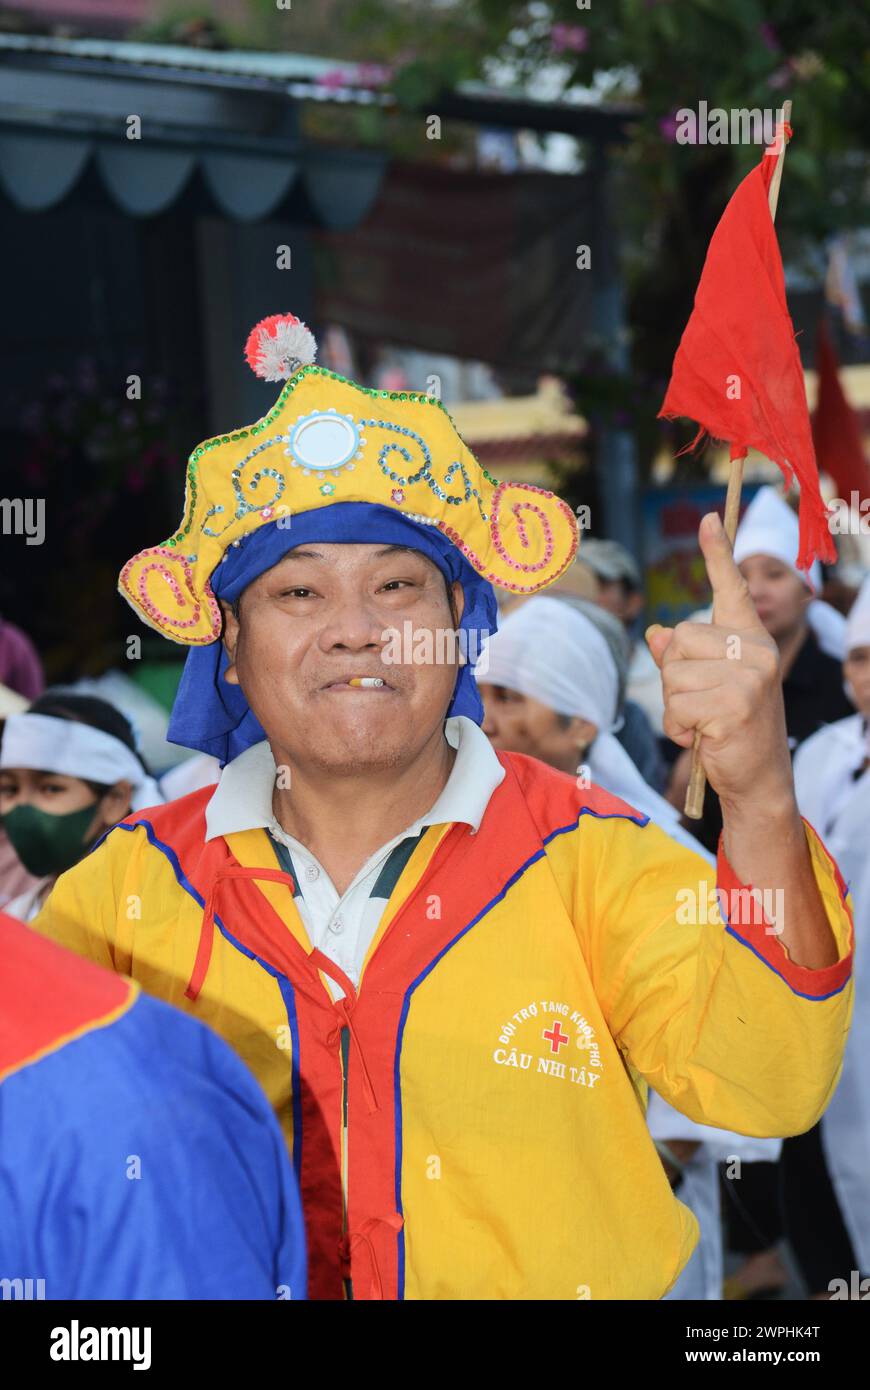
x=59, y=795
x=856, y=670
x=780, y=596
x=516, y=723
x=323, y=615
x=618, y=599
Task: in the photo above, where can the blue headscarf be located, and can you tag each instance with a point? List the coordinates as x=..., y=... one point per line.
x=214, y=717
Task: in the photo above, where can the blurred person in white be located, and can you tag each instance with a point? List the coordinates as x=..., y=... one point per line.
x=620, y=592
x=833, y=790
x=69, y=771
x=579, y=586
x=553, y=687
x=552, y=681
x=809, y=633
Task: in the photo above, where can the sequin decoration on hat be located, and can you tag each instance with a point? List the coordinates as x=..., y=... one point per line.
x=328, y=440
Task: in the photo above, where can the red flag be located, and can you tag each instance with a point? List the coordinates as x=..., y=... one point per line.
x=836, y=427
x=737, y=370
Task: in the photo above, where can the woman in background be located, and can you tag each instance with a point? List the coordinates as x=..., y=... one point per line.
x=69, y=771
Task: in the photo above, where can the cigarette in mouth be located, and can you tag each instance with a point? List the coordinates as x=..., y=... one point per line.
x=370, y=682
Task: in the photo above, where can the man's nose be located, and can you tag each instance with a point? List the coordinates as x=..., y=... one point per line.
x=352, y=623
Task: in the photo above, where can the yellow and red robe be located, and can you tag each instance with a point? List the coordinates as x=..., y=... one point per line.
x=469, y=1123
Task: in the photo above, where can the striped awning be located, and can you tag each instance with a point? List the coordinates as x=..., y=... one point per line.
x=149, y=135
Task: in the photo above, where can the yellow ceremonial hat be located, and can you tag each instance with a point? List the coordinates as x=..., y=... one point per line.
x=328, y=440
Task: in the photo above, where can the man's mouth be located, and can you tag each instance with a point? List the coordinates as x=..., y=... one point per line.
x=360, y=684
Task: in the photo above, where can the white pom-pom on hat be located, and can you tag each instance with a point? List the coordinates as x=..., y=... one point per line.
x=278, y=345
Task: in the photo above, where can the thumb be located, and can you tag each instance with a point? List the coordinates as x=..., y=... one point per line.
x=658, y=639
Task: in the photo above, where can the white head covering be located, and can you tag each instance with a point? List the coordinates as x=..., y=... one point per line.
x=829, y=626
x=770, y=527
x=858, y=621
x=43, y=742
x=550, y=651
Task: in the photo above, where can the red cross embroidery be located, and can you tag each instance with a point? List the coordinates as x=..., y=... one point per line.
x=556, y=1037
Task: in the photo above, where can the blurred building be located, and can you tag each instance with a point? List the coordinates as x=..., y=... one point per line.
x=154, y=202
x=519, y=438
x=157, y=199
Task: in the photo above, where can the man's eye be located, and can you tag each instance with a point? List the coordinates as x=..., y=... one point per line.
x=395, y=583
x=298, y=592
x=52, y=787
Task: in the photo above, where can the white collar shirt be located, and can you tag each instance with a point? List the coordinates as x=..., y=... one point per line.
x=342, y=926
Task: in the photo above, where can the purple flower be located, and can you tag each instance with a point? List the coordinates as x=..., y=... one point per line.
x=335, y=79
x=373, y=74
x=768, y=37
x=568, y=38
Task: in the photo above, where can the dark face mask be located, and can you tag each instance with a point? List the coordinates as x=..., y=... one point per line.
x=48, y=844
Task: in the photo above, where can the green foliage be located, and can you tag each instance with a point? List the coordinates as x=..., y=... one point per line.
x=187, y=23
x=659, y=57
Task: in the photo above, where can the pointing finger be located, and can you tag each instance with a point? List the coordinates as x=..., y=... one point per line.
x=732, y=604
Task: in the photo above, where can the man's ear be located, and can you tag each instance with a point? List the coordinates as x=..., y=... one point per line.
x=229, y=638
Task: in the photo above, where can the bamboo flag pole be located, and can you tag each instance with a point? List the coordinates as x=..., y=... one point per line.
x=694, y=804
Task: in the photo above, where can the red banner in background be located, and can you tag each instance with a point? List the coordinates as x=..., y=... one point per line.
x=836, y=426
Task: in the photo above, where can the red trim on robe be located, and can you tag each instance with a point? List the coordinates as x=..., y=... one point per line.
x=759, y=935
x=467, y=871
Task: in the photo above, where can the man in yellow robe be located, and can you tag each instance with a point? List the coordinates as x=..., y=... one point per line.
x=453, y=970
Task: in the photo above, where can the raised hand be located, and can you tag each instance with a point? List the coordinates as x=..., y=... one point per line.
x=723, y=678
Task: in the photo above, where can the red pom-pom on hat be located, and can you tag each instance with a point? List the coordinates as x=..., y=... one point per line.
x=278, y=345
